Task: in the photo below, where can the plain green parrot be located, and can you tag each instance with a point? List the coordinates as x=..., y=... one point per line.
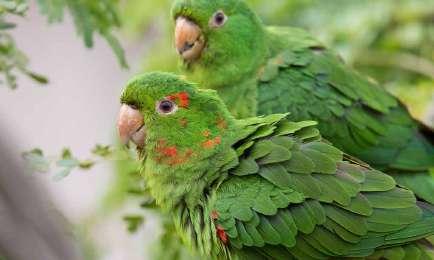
x=259, y=70
x=263, y=187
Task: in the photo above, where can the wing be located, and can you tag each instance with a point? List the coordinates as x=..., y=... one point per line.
x=292, y=195
x=354, y=113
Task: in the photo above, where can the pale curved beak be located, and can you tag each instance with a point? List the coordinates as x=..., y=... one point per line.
x=189, y=40
x=131, y=126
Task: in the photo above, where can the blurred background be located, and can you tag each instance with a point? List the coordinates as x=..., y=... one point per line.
x=63, y=64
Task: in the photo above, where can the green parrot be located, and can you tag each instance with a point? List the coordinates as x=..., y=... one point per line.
x=259, y=70
x=263, y=187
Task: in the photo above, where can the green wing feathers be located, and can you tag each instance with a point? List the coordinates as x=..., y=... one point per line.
x=355, y=114
x=293, y=196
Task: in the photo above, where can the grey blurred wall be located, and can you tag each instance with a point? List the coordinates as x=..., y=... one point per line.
x=77, y=109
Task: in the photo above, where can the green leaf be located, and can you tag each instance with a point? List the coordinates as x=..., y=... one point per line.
x=36, y=160
x=102, y=150
x=90, y=17
x=117, y=49
x=86, y=164
x=66, y=154
x=37, y=77
x=134, y=222
x=148, y=202
x=68, y=163
x=62, y=174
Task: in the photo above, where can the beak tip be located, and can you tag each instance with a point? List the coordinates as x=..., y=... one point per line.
x=189, y=41
x=130, y=121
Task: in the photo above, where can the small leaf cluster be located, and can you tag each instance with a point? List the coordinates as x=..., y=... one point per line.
x=66, y=162
x=90, y=17
x=137, y=188
x=12, y=60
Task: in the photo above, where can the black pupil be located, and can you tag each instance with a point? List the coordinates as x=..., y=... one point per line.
x=219, y=18
x=166, y=106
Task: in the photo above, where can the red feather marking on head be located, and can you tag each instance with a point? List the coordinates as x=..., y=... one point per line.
x=170, y=151
x=208, y=144
x=182, y=98
x=211, y=143
x=222, y=234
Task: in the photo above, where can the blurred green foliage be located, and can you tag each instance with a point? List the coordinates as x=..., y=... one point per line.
x=12, y=61
x=90, y=17
x=392, y=41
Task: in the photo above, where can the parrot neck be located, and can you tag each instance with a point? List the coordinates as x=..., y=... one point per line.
x=217, y=69
x=184, y=184
x=240, y=92
x=183, y=168
x=241, y=98
x=187, y=191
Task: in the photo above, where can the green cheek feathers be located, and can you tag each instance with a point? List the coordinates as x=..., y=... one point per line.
x=206, y=133
x=183, y=122
x=221, y=124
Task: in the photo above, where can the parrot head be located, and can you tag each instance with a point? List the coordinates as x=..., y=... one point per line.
x=219, y=38
x=172, y=119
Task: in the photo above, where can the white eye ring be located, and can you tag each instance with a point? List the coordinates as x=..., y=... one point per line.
x=218, y=19
x=166, y=107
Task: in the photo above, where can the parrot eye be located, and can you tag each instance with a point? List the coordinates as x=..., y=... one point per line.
x=166, y=107
x=218, y=19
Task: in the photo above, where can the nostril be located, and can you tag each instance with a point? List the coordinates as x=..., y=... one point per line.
x=187, y=46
